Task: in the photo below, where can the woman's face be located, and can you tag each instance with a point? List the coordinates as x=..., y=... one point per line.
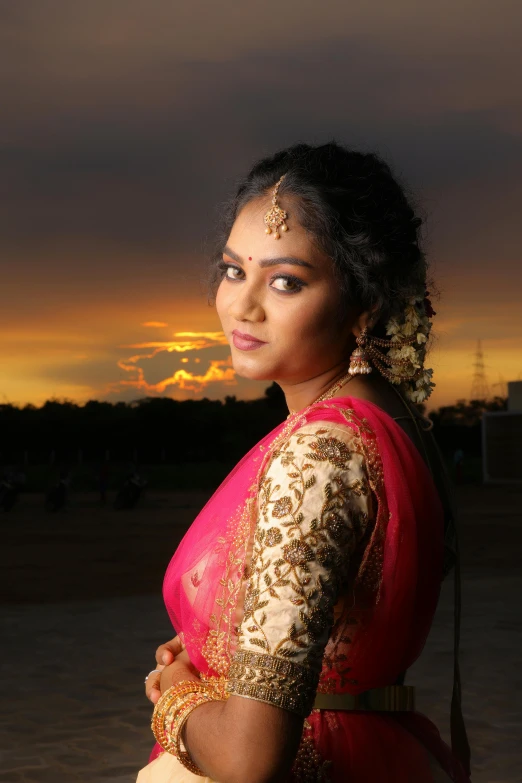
x=279, y=302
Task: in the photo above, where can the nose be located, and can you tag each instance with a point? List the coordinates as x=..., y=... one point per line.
x=246, y=304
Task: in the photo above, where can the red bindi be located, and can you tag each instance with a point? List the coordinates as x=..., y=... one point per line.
x=250, y=258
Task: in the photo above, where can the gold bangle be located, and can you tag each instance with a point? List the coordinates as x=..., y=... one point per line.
x=163, y=723
x=182, y=717
x=166, y=701
x=175, y=716
x=171, y=703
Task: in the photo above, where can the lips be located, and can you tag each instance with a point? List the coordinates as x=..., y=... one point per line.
x=246, y=342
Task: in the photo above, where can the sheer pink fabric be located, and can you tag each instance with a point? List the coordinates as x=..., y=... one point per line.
x=396, y=591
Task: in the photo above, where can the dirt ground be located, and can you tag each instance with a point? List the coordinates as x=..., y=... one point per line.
x=82, y=614
x=51, y=557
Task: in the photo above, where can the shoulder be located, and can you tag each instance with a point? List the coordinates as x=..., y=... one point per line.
x=319, y=450
x=333, y=443
x=320, y=465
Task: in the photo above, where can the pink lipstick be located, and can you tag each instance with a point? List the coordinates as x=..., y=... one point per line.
x=246, y=342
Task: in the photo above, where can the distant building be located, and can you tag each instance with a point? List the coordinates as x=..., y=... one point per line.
x=515, y=396
x=502, y=440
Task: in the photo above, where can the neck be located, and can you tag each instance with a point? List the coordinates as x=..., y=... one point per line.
x=364, y=387
x=300, y=395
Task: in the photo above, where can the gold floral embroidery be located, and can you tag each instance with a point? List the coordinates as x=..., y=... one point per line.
x=273, y=536
x=368, y=577
x=315, y=488
x=370, y=572
x=332, y=450
x=274, y=680
x=361, y=442
x=221, y=637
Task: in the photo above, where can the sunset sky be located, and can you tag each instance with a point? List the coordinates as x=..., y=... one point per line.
x=125, y=123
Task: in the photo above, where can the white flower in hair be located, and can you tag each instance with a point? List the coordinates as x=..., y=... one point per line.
x=407, y=361
x=409, y=328
x=418, y=395
x=393, y=327
x=425, y=378
x=408, y=352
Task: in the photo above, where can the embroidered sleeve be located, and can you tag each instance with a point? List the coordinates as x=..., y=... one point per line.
x=314, y=507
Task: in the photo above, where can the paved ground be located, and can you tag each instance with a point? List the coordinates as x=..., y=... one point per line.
x=72, y=706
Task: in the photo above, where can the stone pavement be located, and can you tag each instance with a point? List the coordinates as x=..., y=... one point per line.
x=73, y=709
x=73, y=706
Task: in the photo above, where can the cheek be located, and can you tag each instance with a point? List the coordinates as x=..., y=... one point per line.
x=220, y=301
x=314, y=318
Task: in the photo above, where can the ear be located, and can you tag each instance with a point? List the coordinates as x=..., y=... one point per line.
x=365, y=320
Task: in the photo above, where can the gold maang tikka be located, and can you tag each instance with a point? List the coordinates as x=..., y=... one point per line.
x=275, y=217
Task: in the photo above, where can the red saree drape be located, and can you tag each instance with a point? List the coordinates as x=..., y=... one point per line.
x=378, y=633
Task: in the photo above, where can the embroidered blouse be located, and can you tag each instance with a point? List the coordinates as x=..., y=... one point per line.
x=315, y=507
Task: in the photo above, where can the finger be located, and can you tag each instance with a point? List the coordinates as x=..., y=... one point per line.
x=166, y=653
x=155, y=695
x=152, y=686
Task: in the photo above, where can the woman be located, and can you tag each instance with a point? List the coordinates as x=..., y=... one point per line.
x=306, y=587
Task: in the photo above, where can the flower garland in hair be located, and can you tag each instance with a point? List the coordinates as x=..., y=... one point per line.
x=407, y=361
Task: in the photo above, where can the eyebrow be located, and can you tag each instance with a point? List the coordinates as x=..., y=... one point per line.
x=292, y=260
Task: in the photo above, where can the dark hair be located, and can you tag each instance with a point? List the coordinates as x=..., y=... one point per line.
x=357, y=212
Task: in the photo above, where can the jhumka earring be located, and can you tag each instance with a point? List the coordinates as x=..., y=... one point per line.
x=275, y=217
x=359, y=364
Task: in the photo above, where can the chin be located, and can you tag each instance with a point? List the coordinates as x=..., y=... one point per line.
x=250, y=369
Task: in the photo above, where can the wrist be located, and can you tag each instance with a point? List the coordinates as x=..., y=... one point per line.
x=172, y=712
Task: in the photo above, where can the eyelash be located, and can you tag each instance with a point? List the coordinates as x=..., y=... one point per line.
x=296, y=281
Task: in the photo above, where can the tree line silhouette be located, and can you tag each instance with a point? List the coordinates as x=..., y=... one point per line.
x=153, y=430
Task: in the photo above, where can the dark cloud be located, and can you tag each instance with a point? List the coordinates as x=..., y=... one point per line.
x=106, y=174
x=125, y=125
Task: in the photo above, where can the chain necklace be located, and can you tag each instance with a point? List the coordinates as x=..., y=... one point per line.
x=330, y=392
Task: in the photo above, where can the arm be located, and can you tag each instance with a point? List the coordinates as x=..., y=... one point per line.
x=313, y=509
x=242, y=740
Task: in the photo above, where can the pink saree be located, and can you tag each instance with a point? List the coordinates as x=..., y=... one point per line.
x=376, y=636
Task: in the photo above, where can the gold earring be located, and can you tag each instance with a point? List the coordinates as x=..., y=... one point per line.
x=275, y=217
x=359, y=364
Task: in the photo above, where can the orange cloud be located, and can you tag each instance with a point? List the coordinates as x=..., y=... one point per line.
x=155, y=324
x=219, y=370
x=195, y=341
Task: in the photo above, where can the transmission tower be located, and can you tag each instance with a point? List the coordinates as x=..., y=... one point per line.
x=479, y=384
x=501, y=386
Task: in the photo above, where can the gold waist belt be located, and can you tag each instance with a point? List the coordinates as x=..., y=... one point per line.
x=391, y=698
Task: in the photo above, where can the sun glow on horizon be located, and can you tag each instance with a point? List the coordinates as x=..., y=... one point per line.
x=218, y=371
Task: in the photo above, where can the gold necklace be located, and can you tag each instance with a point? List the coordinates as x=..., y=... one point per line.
x=330, y=392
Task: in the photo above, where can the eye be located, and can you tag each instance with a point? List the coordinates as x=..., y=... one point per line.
x=230, y=271
x=288, y=284
x=233, y=272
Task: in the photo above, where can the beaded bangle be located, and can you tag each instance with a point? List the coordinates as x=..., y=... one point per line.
x=175, y=714
x=181, y=718
x=171, y=713
x=165, y=728
x=168, y=700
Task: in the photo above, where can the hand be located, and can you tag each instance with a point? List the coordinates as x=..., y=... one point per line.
x=180, y=669
x=166, y=654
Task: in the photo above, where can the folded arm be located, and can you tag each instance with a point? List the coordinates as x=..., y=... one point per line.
x=313, y=510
